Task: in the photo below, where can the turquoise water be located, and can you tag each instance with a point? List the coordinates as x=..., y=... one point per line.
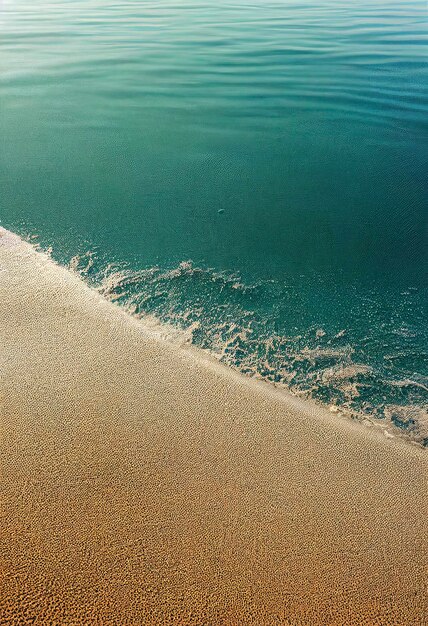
x=254, y=172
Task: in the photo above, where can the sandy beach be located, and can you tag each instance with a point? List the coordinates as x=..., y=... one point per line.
x=143, y=483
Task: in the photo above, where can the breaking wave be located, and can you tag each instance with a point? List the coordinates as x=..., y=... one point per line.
x=368, y=370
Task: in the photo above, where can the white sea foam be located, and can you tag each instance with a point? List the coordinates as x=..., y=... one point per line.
x=230, y=331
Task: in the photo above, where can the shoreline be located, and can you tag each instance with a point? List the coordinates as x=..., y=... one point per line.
x=148, y=484
x=164, y=332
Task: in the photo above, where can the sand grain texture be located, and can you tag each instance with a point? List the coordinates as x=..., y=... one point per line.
x=143, y=484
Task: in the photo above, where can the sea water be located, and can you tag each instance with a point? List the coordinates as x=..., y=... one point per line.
x=252, y=172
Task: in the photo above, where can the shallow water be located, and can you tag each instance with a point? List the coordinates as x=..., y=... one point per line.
x=254, y=172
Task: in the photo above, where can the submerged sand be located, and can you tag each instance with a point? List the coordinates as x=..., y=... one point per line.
x=145, y=484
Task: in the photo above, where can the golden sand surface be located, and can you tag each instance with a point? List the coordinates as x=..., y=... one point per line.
x=142, y=483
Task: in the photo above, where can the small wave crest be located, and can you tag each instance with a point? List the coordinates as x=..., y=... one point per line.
x=263, y=330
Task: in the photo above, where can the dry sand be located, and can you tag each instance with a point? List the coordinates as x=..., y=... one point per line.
x=144, y=484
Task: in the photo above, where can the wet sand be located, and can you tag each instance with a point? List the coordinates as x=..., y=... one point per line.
x=143, y=483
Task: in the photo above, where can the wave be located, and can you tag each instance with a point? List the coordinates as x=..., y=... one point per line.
x=240, y=325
